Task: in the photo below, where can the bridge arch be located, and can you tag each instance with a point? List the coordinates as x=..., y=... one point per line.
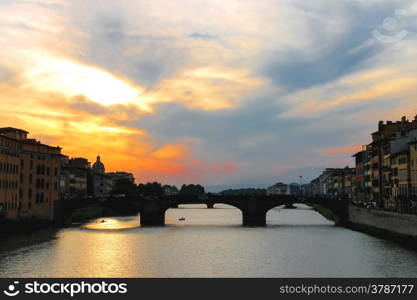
x=253, y=208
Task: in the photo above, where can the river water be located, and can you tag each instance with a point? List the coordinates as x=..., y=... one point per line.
x=208, y=243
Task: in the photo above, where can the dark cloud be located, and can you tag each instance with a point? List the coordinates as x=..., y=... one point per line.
x=203, y=36
x=331, y=56
x=144, y=59
x=82, y=103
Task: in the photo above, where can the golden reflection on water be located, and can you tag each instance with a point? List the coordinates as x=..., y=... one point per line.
x=112, y=224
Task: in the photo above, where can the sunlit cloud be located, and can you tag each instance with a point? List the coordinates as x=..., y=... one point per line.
x=205, y=91
x=55, y=75
x=206, y=88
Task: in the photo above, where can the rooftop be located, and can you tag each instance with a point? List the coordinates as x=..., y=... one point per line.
x=12, y=129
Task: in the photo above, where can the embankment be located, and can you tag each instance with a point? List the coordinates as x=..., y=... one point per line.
x=401, y=228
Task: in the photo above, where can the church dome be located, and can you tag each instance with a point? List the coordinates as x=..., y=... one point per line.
x=98, y=166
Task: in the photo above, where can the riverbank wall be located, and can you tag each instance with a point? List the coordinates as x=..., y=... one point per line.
x=401, y=228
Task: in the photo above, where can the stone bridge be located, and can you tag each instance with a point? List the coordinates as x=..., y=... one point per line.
x=253, y=208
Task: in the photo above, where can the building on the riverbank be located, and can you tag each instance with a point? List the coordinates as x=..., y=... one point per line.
x=312, y=189
x=385, y=172
x=117, y=176
x=284, y=189
x=295, y=189
x=390, y=140
x=363, y=179
x=29, y=176
x=334, y=183
x=278, y=189
x=100, y=184
x=413, y=170
x=390, y=165
x=74, y=178
x=341, y=183
x=9, y=176
x=80, y=180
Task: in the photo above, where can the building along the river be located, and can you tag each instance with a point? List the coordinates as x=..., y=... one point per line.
x=413, y=169
x=74, y=178
x=385, y=173
x=29, y=176
x=363, y=181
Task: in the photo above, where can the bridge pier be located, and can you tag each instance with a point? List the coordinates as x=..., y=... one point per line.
x=253, y=218
x=152, y=219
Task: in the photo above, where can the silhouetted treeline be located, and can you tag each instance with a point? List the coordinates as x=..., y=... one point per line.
x=150, y=189
x=192, y=189
x=125, y=187
x=244, y=192
x=130, y=191
x=170, y=189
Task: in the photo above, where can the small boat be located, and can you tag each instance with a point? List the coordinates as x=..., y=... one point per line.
x=181, y=219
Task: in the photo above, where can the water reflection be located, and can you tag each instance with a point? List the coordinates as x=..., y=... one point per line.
x=209, y=243
x=113, y=223
x=27, y=240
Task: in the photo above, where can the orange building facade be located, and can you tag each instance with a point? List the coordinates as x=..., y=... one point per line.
x=29, y=176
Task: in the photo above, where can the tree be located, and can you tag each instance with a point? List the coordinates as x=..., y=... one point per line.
x=170, y=190
x=150, y=189
x=125, y=187
x=192, y=189
x=244, y=192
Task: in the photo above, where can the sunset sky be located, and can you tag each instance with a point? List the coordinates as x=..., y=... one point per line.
x=206, y=91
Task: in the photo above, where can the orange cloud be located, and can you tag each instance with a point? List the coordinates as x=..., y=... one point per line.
x=170, y=151
x=206, y=88
x=343, y=150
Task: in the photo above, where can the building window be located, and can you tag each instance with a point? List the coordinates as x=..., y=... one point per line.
x=402, y=160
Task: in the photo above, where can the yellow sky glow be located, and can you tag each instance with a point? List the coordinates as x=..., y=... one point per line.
x=70, y=78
